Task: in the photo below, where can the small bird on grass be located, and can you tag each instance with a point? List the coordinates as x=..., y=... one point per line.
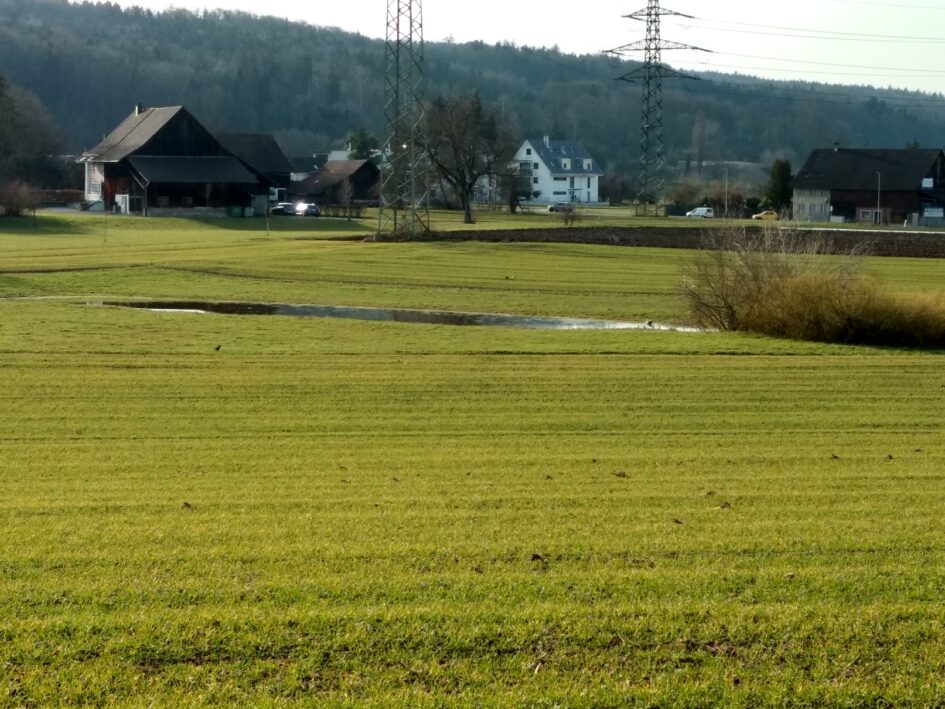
x=217, y=348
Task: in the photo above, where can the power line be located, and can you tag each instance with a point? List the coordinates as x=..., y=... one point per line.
x=711, y=67
x=832, y=33
x=795, y=35
x=816, y=63
x=895, y=6
x=897, y=101
x=750, y=92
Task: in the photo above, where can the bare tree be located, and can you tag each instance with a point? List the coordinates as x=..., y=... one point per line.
x=346, y=195
x=17, y=198
x=466, y=142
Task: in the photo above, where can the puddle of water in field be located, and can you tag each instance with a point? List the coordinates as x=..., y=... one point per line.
x=430, y=317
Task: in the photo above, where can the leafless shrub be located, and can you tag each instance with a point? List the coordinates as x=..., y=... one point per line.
x=789, y=285
x=731, y=278
x=568, y=215
x=16, y=198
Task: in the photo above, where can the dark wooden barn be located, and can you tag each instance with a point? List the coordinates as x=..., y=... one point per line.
x=163, y=161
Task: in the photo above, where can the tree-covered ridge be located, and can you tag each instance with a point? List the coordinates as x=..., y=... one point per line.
x=89, y=63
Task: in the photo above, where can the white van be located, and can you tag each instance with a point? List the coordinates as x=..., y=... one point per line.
x=701, y=213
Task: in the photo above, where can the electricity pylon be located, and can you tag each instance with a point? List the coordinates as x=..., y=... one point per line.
x=404, y=204
x=652, y=177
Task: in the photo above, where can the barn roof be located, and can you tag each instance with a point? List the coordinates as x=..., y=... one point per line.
x=132, y=133
x=332, y=173
x=855, y=169
x=258, y=150
x=192, y=170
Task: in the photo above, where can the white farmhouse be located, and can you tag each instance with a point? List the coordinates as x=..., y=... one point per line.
x=561, y=171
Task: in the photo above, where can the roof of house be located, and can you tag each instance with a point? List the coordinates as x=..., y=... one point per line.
x=557, y=150
x=193, y=170
x=258, y=150
x=331, y=173
x=132, y=133
x=855, y=169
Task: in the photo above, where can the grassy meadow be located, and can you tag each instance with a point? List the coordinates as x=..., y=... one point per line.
x=263, y=511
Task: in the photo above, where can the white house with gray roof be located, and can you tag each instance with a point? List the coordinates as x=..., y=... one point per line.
x=561, y=171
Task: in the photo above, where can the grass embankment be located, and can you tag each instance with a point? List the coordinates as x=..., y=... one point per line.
x=385, y=514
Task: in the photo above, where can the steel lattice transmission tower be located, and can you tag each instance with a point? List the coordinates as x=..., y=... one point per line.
x=404, y=184
x=651, y=74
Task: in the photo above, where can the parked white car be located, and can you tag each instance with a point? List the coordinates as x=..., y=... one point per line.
x=701, y=213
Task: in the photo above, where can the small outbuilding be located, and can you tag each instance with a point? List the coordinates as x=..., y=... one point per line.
x=341, y=182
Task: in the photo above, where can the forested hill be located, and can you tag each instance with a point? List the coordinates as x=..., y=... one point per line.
x=90, y=63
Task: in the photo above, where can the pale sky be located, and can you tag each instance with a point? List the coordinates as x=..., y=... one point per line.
x=876, y=42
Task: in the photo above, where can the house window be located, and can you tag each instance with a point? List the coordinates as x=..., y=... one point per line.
x=588, y=182
x=561, y=179
x=534, y=180
x=572, y=182
x=528, y=151
x=525, y=166
x=534, y=165
x=566, y=164
x=866, y=215
x=587, y=164
x=560, y=193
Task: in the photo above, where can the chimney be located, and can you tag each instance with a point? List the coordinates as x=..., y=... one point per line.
x=139, y=109
x=547, y=142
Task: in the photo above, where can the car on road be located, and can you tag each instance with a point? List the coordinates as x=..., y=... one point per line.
x=766, y=216
x=283, y=208
x=701, y=213
x=306, y=209
x=561, y=207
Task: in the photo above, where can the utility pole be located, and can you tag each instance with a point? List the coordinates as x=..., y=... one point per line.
x=404, y=205
x=726, y=193
x=652, y=144
x=879, y=192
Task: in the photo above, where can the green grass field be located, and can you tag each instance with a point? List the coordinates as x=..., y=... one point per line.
x=340, y=513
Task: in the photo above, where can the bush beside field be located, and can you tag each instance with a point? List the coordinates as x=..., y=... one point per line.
x=777, y=284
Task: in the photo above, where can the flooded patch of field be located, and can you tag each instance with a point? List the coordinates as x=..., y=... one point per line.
x=425, y=317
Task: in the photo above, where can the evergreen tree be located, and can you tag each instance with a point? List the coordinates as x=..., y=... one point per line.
x=361, y=143
x=778, y=194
